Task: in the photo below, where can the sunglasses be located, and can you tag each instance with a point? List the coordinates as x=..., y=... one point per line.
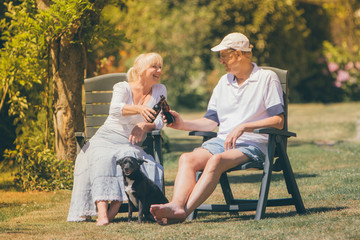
x=225, y=55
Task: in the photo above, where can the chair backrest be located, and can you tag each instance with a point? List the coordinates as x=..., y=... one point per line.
x=283, y=76
x=98, y=93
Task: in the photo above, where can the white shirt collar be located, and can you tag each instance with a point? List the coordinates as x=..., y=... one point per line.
x=252, y=78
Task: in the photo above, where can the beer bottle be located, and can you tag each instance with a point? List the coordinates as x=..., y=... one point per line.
x=166, y=111
x=157, y=107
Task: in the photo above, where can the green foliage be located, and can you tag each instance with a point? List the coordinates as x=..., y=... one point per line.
x=28, y=32
x=178, y=30
x=285, y=34
x=39, y=169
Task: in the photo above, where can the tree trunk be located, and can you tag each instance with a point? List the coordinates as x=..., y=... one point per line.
x=68, y=63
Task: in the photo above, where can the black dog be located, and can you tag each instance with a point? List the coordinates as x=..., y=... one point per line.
x=140, y=190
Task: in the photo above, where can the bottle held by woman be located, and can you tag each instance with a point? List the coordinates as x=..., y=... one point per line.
x=157, y=107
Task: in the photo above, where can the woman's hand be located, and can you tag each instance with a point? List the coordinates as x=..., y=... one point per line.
x=230, y=141
x=147, y=112
x=137, y=133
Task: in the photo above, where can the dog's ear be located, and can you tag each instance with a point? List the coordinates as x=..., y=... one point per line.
x=141, y=161
x=118, y=162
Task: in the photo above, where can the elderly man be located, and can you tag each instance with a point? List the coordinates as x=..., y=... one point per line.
x=245, y=98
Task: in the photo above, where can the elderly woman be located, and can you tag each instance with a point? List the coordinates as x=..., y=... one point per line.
x=97, y=178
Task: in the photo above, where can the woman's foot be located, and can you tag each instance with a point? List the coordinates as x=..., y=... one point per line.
x=102, y=221
x=102, y=213
x=169, y=213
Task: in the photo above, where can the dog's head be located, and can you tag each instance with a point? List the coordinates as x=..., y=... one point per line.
x=129, y=164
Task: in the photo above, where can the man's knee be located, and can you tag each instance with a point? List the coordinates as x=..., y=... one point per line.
x=214, y=163
x=186, y=158
x=192, y=161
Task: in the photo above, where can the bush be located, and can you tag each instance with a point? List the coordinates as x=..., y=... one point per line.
x=37, y=166
x=39, y=169
x=345, y=68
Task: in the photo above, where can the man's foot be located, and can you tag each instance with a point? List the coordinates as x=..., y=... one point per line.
x=169, y=213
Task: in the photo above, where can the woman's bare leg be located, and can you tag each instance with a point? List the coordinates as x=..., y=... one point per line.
x=113, y=210
x=103, y=218
x=189, y=164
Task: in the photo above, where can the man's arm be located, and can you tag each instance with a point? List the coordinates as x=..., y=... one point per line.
x=201, y=124
x=276, y=121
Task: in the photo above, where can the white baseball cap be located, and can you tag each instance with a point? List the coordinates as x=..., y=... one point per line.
x=237, y=41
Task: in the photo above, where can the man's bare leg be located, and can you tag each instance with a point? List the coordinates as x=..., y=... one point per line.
x=189, y=164
x=206, y=185
x=216, y=165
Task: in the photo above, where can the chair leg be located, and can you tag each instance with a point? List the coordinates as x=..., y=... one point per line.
x=225, y=186
x=265, y=183
x=290, y=180
x=193, y=215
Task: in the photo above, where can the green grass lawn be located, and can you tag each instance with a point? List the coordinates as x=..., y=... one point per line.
x=325, y=157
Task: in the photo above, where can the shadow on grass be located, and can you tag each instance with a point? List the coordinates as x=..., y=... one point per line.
x=15, y=231
x=8, y=186
x=256, y=178
x=134, y=220
x=13, y=204
x=227, y=217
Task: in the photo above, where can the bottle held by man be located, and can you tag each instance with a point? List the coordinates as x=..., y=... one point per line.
x=166, y=111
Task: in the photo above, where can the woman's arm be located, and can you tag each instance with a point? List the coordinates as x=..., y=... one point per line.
x=146, y=112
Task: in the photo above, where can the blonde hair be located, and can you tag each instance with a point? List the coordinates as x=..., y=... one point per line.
x=141, y=63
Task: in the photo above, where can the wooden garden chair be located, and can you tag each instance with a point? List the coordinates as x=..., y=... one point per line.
x=98, y=93
x=276, y=151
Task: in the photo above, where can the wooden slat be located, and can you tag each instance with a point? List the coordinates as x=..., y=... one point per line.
x=104, y=82
x=98, y=97
x=90, y=131
x=102, y=109
x=95, y=121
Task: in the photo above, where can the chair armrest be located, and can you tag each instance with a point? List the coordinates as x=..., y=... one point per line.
x=275, y=132
x=156, y=133
x=206, y=135
x=80, y=140
x=203, y=134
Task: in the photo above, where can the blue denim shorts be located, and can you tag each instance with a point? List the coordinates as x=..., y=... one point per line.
x=216, y=145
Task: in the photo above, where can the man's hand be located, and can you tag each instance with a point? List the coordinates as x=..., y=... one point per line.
x=230, y=141
x=177, y=123
x=137, y=133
